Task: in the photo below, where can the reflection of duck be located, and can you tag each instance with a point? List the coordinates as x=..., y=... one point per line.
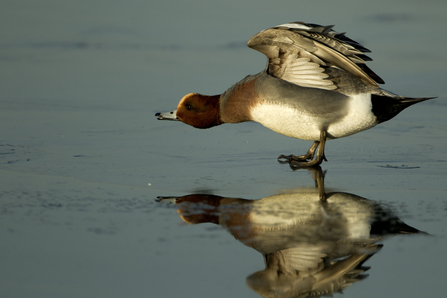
x=316, y=86
x=310, y=246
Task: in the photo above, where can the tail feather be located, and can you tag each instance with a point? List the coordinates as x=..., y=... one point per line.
x=412, y=100
x=387, y=107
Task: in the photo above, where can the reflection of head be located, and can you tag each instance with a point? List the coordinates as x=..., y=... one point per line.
x=196, y=208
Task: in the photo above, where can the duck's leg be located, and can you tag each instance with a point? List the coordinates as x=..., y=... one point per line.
x=309, y=155
x=318, y=176
x=302, y=160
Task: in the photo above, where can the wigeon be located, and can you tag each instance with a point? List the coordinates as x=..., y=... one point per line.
x=316, y=87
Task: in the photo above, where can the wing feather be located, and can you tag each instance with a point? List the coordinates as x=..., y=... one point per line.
x=300, y=53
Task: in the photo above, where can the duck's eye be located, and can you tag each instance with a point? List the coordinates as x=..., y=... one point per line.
x=189, y=107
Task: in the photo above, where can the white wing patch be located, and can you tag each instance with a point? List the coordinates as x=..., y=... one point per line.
x=295, y=26
x=306, y=73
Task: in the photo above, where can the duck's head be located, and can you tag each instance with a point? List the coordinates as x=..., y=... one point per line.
x=200, y=111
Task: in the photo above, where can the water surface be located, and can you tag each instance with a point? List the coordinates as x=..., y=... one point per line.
x=83, y=159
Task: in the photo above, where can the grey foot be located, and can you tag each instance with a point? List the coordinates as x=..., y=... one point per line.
x=307, y=160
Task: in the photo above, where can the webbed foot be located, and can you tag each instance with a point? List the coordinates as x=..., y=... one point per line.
x=307, y=160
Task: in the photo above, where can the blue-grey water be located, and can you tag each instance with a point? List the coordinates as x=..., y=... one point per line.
x=83, y=159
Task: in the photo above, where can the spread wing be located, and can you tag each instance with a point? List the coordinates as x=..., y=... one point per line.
x=306, y=55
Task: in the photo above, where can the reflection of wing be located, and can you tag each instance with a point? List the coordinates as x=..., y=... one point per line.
x=306, y=54
x=342, y=273
x=302, y=259
x=302, y=272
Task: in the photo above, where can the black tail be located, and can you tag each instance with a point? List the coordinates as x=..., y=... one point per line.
x=386, y=107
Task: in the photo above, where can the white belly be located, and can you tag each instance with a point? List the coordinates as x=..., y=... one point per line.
x=287, y=121
x=360, y=117
x=291, y=122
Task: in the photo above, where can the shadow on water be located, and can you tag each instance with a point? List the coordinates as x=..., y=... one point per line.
x=313, y=243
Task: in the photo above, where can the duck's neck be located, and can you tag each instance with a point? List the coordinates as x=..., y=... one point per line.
x=236, y=103
x=214, y=110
